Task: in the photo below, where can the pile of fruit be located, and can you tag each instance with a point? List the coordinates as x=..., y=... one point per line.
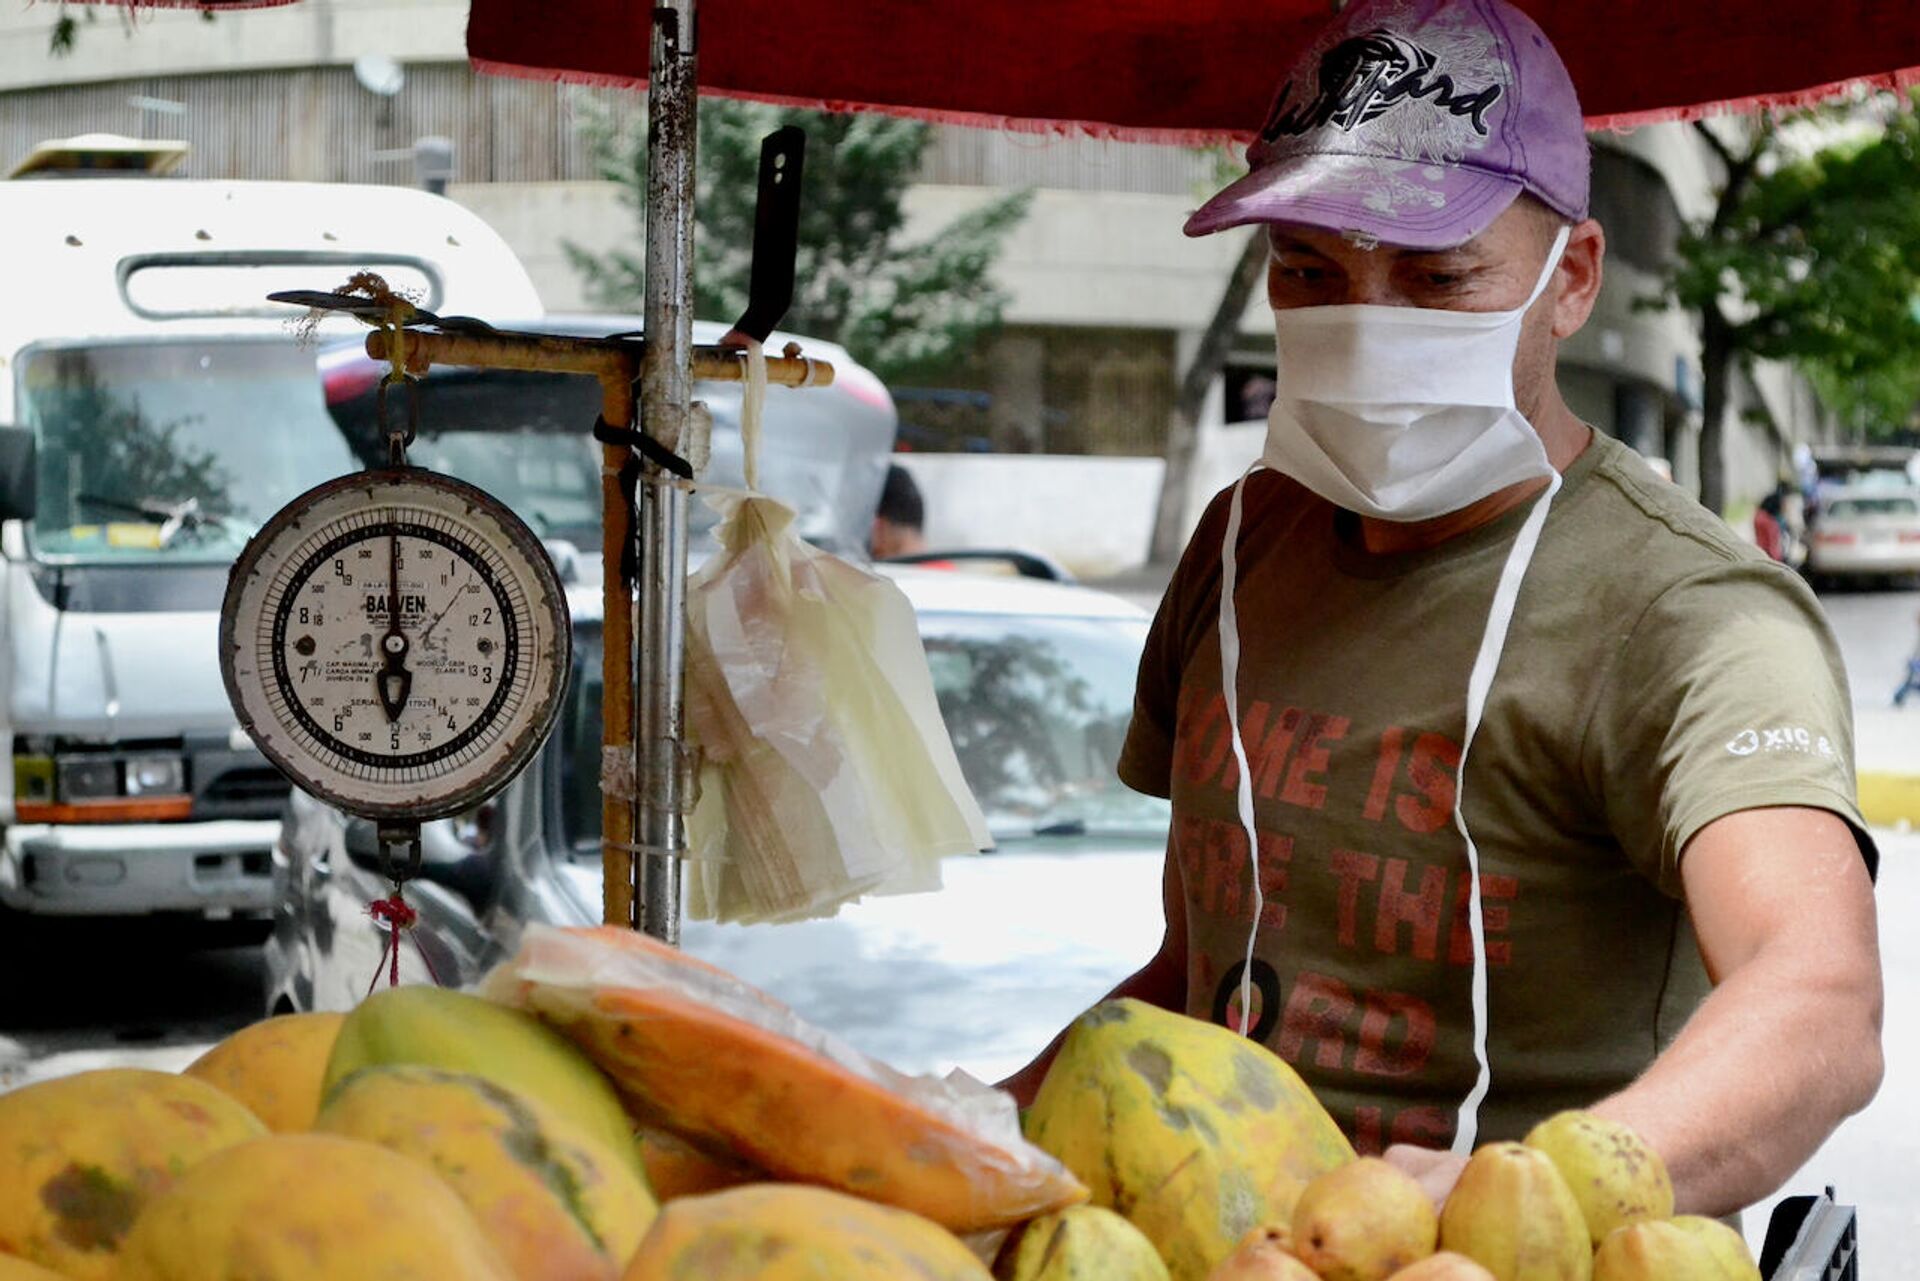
x=635, y=1136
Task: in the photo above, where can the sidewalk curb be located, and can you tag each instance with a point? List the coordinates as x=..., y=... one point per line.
x=1889, y=799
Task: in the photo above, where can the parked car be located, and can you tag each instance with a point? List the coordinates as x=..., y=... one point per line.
x=1035, y=680
x=1840, y=468
x=1867, y=532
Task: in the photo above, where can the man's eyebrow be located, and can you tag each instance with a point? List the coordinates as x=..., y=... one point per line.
x=1284, y=244
x=1457, y=251
x=1288, y=245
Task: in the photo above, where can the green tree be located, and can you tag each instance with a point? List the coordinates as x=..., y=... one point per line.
x=1812, y=258
x=904, y=308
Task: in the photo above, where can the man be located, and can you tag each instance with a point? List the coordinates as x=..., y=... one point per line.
x=1672, y=919
x=900, y=519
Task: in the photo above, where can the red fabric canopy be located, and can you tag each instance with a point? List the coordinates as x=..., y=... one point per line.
x=1182, y=72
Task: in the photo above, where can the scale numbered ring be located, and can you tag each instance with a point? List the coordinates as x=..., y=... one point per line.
x=397, y=642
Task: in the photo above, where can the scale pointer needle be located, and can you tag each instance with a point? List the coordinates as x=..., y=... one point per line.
x=395, y=680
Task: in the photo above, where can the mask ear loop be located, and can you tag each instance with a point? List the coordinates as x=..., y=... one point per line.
x=1492, y=643
x=1230, y=686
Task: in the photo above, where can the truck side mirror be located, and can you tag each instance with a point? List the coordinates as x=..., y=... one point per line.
x=19, y=468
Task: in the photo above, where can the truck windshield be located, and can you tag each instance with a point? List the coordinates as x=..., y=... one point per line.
x=171, y=451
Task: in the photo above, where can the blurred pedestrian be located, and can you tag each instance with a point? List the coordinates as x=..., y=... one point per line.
x=1767, y=532
x=899, y=523
x=1793, y=522
x=1910, y=683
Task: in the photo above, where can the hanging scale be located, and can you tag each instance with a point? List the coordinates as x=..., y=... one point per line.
x=397, y=642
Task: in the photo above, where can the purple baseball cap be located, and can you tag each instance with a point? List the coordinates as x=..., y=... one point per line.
x=1416, y=123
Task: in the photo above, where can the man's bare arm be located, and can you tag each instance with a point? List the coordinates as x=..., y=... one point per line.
x=1788, y=1043
x=1161, y=981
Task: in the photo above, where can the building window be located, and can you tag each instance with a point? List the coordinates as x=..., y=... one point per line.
x=1633, y=204
x=1047, y=390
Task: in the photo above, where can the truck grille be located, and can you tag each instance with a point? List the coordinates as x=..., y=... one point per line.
x=237, y=788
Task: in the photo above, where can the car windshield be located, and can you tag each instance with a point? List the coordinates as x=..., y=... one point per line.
x=1037, y=707
x=1891, y=505
x=171, y=451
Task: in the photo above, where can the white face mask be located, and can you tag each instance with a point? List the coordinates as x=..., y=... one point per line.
x=1402, y=413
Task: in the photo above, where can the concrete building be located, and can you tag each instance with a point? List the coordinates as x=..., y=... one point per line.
x=1107, y=297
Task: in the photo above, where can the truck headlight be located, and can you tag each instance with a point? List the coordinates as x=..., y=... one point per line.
x=86, y=778
x=156, y=776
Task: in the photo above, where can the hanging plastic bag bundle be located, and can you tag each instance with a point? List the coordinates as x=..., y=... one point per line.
x=826, y=770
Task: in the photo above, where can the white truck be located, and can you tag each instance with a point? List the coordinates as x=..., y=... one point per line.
x=154, y=411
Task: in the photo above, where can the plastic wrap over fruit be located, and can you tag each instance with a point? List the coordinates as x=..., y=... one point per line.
x=704, y=1055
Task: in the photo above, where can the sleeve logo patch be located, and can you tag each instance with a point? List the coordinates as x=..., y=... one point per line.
x=1784, y=738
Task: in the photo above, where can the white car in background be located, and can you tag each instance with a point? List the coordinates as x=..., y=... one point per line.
x=1035, y=680
x=1867, y=532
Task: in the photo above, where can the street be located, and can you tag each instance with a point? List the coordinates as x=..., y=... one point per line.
x=86, y=994
x=77, y=996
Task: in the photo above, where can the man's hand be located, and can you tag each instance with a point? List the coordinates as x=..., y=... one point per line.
x=1435, y=1172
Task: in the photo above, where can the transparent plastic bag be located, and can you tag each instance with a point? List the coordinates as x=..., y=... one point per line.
x=826, y=769
x=700, y=1053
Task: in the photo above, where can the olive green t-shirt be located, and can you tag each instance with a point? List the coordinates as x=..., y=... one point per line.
x=1659, y=674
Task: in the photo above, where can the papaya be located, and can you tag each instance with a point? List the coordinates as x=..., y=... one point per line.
x=1193, y=1133
x=308, y=1207
x=1262, y=1255
x=1614, y=1174
x=1079, y=1243
x=792, y=1232
x=555, y=1202
x=1364, y=1221
x=1723, y=1243
x=12, y=1269
x=697, y=1052
x=675, y=1168
x=1512, y=1213
x=459, y=1032
x=1444, y=1266
x=275, y=1067
x=81, y=1155
x=1666, y=1251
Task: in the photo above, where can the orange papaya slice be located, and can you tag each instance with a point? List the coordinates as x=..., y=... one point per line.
x=697, y=1052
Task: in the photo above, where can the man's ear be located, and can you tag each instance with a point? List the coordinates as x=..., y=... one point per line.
x=1577, y=278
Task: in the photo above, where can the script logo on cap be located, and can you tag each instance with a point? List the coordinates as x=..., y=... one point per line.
x=1406, y=90
x=1363, y=78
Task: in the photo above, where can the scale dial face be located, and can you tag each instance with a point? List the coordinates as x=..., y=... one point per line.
x=397, y=642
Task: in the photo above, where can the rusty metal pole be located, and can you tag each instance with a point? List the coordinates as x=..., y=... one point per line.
x=616, y=660
x=662, y=767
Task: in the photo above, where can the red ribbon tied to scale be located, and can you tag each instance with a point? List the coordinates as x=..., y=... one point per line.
x=397, y=914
